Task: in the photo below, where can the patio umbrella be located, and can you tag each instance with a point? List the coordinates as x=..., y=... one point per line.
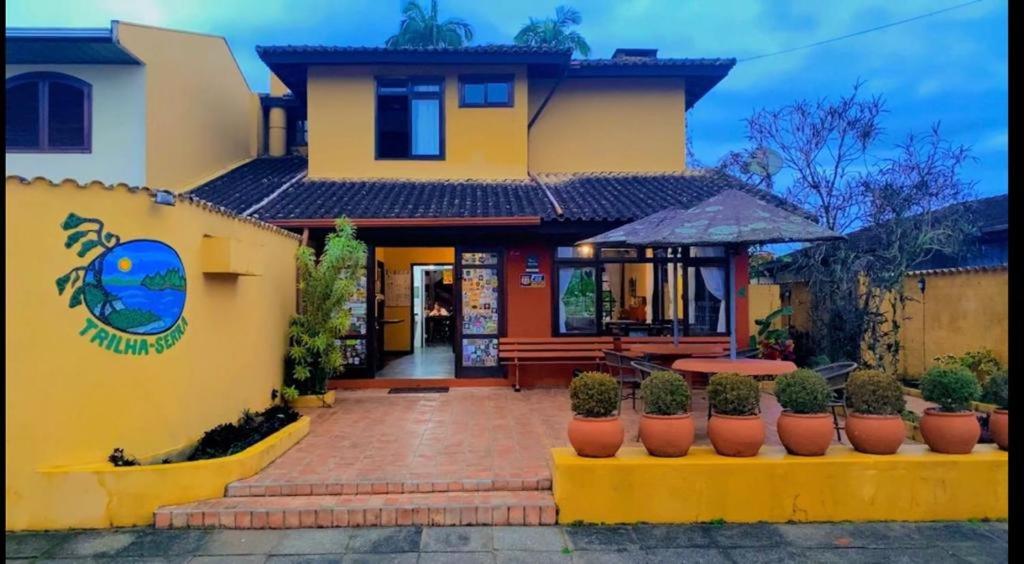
x=731, y=219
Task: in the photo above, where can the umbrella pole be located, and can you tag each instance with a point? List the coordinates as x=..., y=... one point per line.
x=675, y=300
x=732, y=304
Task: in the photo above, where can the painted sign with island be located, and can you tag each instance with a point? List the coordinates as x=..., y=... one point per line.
x=135, y=287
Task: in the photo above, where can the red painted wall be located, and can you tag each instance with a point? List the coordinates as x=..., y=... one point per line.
x=742, y=300
x=529, y=308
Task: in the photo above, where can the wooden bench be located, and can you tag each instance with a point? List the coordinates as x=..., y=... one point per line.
x=519, y=351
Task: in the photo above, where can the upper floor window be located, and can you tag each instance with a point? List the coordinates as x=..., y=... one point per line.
x=486, y=91
x=48, y=112
x=410, y=118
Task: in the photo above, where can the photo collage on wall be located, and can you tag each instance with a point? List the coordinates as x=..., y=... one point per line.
x=479, y=301
x=479, y=352
x=354, y=350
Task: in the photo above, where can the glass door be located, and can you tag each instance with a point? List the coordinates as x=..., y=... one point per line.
x=480, y=319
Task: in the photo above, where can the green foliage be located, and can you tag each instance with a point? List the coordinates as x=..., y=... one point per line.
x=251, y=428
x=910, y=416
x=774, y=343
x=951, y=386
x=818, y=361
x=594, y=394
x=554, y=32
x=982, y=363
x=871, y=392
x=119, y=459
x=289, y=393
x=997, y=390
x=170, y=279
x=803, y=391
x=665, y=393
x=733, y=394
x=420, y=28
x=326, y=286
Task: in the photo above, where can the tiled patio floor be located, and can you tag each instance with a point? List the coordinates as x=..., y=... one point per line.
x=466, y=435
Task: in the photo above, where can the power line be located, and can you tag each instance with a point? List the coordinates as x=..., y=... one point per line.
x=856, y=33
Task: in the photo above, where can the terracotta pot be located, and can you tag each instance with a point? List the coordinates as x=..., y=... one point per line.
x=667, y=435
x=950, y=433
x=806, y=434
x=736, y=435
x=999, y=428
x=597, y=437
x=875, y=434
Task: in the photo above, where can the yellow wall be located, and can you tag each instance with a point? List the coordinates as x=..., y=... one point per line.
x=598, y=124
x=277, y=88
x=478, y=142
x=199, y=115
x=397, y=336
x=69, y=401
x=963, y=311
x=960, y=312
x=763, y=299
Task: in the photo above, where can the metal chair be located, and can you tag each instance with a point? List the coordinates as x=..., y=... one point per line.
x=622, y=368
x=835, y=376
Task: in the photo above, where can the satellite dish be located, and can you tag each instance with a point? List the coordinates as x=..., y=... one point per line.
x=764, y=161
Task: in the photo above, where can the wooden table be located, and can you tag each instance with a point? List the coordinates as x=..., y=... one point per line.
x=745, y=366
x=668, y=350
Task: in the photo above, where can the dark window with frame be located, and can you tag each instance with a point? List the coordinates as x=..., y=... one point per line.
x=487, y=91
x=48, y=112
x=410, y=118
x=629, y=291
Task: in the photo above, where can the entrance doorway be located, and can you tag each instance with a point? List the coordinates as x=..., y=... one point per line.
x=416, y=312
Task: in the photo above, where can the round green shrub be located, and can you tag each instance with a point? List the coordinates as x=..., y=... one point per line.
x=803, y=391
x=665, y=393
x=733, y=394
x=951, y=386
x=870, y=392
x=997, y=390
x=594, y=394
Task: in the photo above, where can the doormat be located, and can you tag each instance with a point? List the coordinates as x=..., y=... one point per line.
x=418, y=391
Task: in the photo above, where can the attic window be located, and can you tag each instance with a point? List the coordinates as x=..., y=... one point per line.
x=486, y=91
x=48, y=112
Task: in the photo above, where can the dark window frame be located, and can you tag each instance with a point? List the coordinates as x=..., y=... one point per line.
x=658, y=297
x=484, y=79
x=43, y=80
x=411, y=95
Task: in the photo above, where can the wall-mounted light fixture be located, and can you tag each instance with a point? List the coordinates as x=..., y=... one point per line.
x=164, y=197
x=921, y=284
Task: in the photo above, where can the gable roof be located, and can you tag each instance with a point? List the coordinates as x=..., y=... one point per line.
x=267, y=188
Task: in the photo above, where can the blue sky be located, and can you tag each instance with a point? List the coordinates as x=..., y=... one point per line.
x=950, y=68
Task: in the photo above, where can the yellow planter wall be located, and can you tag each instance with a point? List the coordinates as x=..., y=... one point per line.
x=69, y=401
x=98, y=495
x=913, y=485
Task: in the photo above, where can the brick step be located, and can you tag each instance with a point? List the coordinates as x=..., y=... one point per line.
x=263, y=487
x=292, y=512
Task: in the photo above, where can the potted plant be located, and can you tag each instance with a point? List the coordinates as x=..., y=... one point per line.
x=595, y=430
x=666, y=428
x=805, y=427
x=735, y=428
x=951, y=428
x=875, y=402
x=997, y=391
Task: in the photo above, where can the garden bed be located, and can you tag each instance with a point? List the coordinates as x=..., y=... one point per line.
x=101, y=495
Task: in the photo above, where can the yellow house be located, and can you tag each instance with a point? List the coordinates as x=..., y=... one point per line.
x=471, y=173
x=139, y=105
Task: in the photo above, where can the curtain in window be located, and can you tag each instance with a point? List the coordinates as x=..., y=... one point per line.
x=714, y=280
x=426, y=127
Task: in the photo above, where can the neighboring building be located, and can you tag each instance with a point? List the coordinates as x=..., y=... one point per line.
x=483, y=166
x=130, y=104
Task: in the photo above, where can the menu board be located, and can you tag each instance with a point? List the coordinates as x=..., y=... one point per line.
x=479, y=300
x=396, y=288
x=479, y=352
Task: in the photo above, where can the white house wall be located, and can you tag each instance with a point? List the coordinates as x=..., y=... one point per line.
x=118, y=129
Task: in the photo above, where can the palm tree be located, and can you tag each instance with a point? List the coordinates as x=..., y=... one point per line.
x=421, y=29
x=553, y=32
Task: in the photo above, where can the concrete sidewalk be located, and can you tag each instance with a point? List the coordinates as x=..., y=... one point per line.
x=933, y=543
